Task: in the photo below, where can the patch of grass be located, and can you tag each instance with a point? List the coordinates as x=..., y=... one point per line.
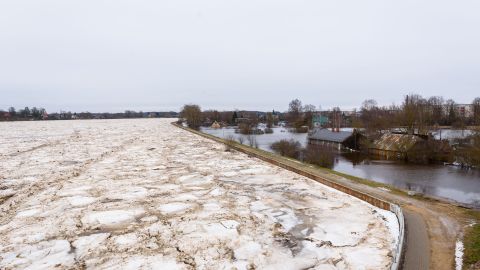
x=229, y=141
x=474, y=214
x=471, y=244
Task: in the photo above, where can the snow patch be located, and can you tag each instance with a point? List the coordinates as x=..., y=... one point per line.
x=86, y=244
x=175, y=207
x=112, y=218
x=29, y=212
x=80, y=200
x=126, y=240
x=230, y=224
x=458, y=255
x=391, y=221
x=44, y=255
x=142, y=262
x=247, y=251
x=220, y=231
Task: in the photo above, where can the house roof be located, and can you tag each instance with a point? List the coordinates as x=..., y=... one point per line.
x=396, y=142
x=323, y=134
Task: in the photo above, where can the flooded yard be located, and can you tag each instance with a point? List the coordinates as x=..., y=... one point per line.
x=448, y=182
x=144, y=194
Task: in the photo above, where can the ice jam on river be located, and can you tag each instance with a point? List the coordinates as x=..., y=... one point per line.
x=144, y=194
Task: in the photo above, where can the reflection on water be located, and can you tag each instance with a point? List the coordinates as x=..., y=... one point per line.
x=451, y=134
x=437, y=180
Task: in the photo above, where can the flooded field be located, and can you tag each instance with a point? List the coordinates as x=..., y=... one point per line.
x=447, y=182
x=143, y=194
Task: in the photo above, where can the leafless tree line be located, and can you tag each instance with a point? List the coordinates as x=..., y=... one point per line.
x=415, y=115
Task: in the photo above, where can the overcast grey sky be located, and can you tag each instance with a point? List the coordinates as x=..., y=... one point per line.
x=251, y=54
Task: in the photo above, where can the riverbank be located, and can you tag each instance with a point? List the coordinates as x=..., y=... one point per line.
x=443, y=223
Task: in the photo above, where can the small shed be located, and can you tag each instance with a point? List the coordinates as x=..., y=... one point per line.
x=335, y=139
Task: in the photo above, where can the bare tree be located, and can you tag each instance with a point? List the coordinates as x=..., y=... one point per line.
x=415, y=114
x=229, y=142
x=192, y=115
x=269, y=119
x=295, y=111
x=309, y=111
x=252, y=140
x=374, y=119
x=288, y=148
x=12, y=112
x=451, y=112
x=436, y=105
x=320, y=155
x=476, y=111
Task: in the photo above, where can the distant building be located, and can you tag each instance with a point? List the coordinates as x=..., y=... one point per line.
x=242, y=120
x=335, y=139
x=319, y=120
x=464, y=110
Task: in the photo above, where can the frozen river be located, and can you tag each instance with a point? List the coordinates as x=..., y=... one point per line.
x=143, y=194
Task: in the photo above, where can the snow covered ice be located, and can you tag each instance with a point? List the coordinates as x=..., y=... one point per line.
x=143, y=194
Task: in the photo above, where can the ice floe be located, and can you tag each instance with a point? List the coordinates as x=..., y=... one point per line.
x=143, y=194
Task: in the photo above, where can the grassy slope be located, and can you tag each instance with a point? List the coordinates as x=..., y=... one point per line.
x=471, y=242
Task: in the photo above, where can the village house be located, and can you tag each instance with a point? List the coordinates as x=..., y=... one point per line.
x=216, y=125
x=412, y=148
x=319, y=120
x=341, y=140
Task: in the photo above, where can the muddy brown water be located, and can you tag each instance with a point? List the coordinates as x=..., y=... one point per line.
x=442, y=181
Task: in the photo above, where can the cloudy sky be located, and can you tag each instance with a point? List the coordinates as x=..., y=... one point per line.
x=96, y=55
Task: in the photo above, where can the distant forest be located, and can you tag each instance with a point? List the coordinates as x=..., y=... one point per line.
x=29, y=114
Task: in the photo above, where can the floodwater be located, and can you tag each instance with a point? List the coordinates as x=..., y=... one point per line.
x=447, y=182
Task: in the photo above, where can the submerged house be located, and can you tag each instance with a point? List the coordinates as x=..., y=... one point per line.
x=216, y=125
x=334, y=138
x=413, y=148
